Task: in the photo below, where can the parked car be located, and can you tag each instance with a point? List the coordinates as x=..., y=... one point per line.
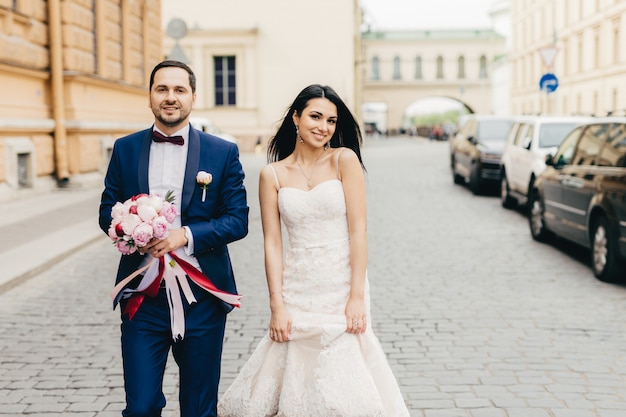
x=208, y=126
x=581, y=196
x=476, y=150
x=530, y=140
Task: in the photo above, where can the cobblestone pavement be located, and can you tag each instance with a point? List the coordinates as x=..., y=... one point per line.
x=477, y=319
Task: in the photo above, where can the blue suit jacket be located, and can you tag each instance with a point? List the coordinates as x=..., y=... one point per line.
x=221, y=219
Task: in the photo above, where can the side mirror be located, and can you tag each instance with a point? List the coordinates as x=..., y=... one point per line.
x=471, y=139
x=549, y=160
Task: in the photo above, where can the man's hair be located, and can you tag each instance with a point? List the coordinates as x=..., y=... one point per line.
x=178, y=64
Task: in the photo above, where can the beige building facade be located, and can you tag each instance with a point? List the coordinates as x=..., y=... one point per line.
x=402, y=67
x=74, y=75
x=582, y=43
x=253, y=57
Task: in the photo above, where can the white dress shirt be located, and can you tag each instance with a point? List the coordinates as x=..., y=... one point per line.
x=166, y=172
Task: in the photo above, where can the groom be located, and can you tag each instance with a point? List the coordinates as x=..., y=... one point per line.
x=167, y=157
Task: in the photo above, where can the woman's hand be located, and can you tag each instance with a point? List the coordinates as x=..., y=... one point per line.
x=280, y=323
x=356, y=315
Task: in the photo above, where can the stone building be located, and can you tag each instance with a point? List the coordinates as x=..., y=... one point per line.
x=74, y=76
x=253, y=57
x=582, y=43
x=401, y=67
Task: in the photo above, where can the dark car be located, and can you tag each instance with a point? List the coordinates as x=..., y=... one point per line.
x=581, y=196
x=476, y=150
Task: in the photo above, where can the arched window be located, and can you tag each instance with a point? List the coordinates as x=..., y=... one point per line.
x=461, y=63
x=439, y=67
x=418, y=67
x=397, y=75
x=483, y=67
x=375, y=68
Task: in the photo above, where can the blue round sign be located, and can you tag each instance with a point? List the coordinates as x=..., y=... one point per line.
x=548, y=82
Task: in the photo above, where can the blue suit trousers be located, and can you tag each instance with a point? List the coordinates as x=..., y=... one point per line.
x=146, y=342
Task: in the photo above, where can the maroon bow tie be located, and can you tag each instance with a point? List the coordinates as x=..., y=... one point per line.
x=158, y=137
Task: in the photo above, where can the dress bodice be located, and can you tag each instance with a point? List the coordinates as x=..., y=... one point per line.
x=316, y=217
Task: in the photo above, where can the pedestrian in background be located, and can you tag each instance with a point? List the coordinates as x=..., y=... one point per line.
x=168, y=157
x=320, y=356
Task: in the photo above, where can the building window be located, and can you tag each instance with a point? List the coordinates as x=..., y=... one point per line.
x=616, y=33
x=483, y=67
x=579, y=50
x=397, y=75
x=596, y=47
x=418, y=67
x=439, y=67
x=375, y=68
x=461, y=67
x=225, y=87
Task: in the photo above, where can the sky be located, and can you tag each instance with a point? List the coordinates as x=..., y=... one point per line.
x=427, y=14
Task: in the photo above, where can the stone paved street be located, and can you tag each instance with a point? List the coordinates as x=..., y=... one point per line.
x=476, y=318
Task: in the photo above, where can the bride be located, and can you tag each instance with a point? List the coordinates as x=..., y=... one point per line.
x=320, y=356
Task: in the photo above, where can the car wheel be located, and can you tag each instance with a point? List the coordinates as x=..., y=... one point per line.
x=538, y=228
x=455, y=177
x=475, y=182
x=605, y=261
x=505, y=192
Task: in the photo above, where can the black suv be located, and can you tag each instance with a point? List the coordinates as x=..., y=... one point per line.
x=581, y=196
x=476, y=150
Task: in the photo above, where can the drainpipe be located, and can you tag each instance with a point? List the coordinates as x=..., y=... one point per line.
x=57, y=91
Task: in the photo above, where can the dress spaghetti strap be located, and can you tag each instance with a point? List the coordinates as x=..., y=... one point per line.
x=337, y=161
x=275, y=176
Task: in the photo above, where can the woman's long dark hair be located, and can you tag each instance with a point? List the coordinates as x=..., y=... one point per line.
x=347, y=133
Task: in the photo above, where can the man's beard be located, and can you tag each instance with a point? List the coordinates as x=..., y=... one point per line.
x=171, y=123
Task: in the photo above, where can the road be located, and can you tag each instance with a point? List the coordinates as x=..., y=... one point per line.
x=476, y=318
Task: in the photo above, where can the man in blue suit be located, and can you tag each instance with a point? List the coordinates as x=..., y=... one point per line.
x=167, y=157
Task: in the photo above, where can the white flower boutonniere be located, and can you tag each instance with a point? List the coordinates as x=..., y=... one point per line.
x=204, y=179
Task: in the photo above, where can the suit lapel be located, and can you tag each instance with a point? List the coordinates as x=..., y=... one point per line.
x=144, y=159
x=191, y=170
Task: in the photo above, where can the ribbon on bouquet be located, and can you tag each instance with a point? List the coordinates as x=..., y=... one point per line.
x=174, y=272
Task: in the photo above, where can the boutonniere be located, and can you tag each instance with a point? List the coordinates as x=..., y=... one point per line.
x=204, y=179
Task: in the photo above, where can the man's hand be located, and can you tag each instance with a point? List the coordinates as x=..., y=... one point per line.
x=176, y=239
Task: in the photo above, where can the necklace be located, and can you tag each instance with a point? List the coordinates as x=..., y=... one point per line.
x=309, y=177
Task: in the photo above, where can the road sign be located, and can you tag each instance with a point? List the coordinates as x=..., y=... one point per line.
x=548, y=82
x=547, y=55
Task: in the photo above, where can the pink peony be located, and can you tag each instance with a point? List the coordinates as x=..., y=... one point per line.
x=142, y=234
x=129, y=222
x=168, y=211
x=161, y=227
x=125, y=247
x=118, y=210
x=146, y=212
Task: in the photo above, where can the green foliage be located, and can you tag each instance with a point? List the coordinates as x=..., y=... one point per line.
x=451, y=116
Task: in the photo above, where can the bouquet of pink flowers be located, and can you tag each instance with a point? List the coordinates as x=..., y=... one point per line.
x=140, y=219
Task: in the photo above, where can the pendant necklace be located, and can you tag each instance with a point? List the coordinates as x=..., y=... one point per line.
x=309, y=177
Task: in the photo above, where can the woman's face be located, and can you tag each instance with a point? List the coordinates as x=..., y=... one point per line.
x=318, y=121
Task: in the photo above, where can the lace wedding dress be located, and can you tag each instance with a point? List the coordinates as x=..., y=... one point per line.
x=322, y=371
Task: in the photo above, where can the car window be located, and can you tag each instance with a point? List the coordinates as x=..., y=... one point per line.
x=590, y=144
x=553, y=134
x=512, y=135
x=528, y=137
x=565, y=152
x=469, y=128
x=614, y=152
x=521, y=132
x=493, y=129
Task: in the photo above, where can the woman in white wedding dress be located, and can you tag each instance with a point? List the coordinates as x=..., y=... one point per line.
x=320, y=357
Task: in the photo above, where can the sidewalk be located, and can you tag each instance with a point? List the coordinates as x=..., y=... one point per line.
x=38, y=230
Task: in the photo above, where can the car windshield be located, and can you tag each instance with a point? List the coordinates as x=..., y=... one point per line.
x=493, y=129
x=551, y=135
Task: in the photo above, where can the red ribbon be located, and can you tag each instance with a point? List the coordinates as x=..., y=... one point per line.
x=135, y=300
